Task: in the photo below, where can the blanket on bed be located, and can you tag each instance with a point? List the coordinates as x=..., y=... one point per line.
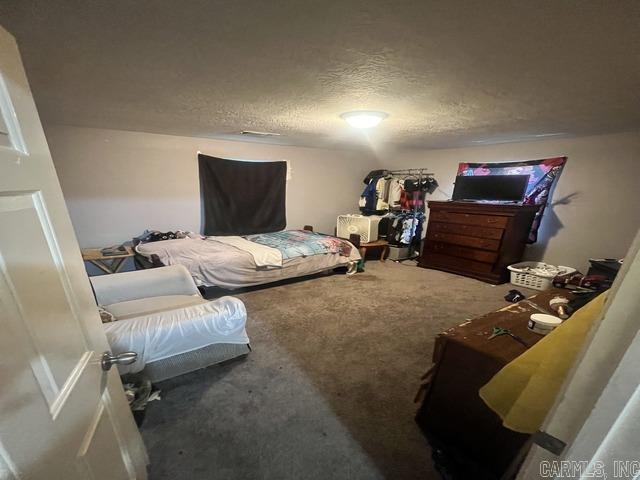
x=302, y=243
x=263, y=256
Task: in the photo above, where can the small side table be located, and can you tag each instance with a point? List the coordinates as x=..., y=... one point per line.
x=108, y=263
x=381, y=244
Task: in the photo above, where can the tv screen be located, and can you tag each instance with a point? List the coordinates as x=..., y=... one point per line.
x=495, y=188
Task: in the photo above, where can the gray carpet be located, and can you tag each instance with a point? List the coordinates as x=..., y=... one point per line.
x=327, y=392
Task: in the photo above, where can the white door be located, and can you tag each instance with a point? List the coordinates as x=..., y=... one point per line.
x=61, y=416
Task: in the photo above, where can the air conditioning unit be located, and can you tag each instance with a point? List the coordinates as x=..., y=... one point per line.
x=365, y=226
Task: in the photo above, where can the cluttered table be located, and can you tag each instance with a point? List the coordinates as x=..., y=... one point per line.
x=109, y=260
x=475, y=334
x=452, y=415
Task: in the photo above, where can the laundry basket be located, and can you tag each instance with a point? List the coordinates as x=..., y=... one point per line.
x=536, y=275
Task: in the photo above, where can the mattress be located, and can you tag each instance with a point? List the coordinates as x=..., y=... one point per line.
x=213, y=263
x=158, y=336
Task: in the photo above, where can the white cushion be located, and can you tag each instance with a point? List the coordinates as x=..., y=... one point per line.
x=146, y=306
x=160, y=335
x=125, y=286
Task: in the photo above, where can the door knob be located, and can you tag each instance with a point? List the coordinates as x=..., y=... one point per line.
x=125, y=358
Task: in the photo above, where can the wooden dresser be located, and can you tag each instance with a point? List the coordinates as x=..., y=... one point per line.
x=477, y=240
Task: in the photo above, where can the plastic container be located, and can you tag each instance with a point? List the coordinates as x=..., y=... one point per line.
x=542, y=323
x=522, y=276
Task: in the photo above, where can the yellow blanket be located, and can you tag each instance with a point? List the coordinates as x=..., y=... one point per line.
x=524, y=390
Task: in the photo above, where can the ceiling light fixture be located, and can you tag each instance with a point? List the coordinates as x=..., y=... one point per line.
x=364, y=119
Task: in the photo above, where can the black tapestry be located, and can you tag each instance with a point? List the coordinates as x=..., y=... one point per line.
x=242, y=198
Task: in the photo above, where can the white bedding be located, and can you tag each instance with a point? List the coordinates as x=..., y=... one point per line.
x=263, y=256
x=211, y=262
x=160, y=335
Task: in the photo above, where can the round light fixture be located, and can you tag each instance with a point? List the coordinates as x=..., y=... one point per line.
x=364, y=119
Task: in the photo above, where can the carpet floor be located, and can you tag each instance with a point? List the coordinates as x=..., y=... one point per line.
x=328, y=389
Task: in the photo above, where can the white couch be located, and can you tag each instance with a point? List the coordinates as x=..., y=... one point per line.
x=161, y=316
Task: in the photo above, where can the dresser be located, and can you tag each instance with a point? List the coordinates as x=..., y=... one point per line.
x=477, y=240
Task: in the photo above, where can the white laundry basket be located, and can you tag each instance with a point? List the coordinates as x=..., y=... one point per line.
x=523, y=276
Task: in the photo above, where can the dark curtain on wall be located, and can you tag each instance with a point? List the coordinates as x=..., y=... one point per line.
x=543, y=174
x=242, y=198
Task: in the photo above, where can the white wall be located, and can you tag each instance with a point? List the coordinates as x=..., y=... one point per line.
x=119, y=183
x=595, y=209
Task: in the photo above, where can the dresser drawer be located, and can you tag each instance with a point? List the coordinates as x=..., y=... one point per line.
x=465, y=241
x=495, y=221
x=463, y=252
x=469, y=230
x=456, y=263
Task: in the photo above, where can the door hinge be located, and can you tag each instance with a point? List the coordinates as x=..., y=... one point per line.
x=549, y=442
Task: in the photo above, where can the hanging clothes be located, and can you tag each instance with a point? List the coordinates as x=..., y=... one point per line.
x=382, y=194
x=395, y=193
x=385, y=193
x=417, y=237
x=369, y=197
x=408, y=230
x=430, y=185
x=405, y=229
x=373, y=198
x=414, y=195
x=374, y=174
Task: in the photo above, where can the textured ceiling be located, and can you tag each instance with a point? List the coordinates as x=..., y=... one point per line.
x=449, y=73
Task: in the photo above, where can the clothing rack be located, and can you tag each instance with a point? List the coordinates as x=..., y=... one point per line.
x=420, y=173
x=416, y=200
x=412, y=171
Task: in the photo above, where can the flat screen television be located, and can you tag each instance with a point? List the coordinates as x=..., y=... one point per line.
x=491, y=188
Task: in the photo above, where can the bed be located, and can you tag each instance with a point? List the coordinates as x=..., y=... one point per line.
x=238, y=262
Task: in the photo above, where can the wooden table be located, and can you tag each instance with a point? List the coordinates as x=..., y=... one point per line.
x=454, y=418
x=108, y=263
x=382, y=244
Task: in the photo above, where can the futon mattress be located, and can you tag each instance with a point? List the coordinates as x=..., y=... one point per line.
x=214, y=263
